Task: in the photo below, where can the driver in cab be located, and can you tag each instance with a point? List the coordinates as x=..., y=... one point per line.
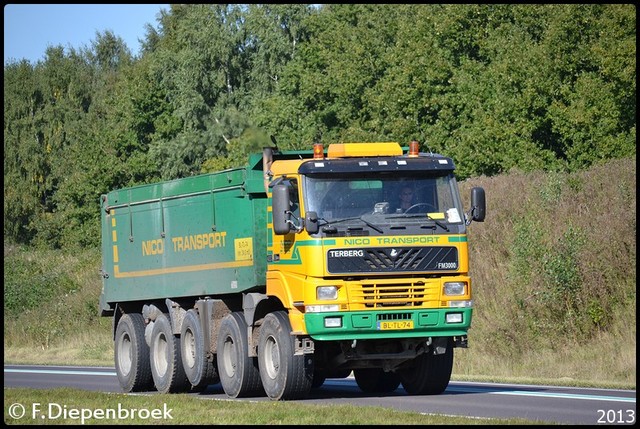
x=406, y=199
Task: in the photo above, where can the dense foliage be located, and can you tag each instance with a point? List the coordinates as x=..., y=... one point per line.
x=496, y=87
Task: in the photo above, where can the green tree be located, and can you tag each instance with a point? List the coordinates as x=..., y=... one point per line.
x=23, y=164
x=497, y=87
x=202, y=70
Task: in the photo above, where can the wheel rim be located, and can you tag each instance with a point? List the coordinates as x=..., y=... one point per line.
x=189, y=354
x=125, y=354
x=272, y=357
x=228, y=361
x=160, y=359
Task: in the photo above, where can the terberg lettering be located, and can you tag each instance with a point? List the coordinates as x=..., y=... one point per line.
x=346, y=253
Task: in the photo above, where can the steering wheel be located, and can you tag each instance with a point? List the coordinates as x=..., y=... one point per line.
x=429, y=206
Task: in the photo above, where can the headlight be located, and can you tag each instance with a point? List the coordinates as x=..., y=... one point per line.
x=326, y=293
x=454, y=288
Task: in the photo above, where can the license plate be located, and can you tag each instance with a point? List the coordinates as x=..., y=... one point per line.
x=395, y=324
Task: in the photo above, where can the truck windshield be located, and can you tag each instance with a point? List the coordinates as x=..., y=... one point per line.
x=389, y=195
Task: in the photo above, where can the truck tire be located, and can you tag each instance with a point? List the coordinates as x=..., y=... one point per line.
x=284, y=376
x=166, y=363
x=430, y=375
x=239, y=374
x=131, y=354
x=199, y=370
x=375, y=380
x=318, y=380
x=320, y=376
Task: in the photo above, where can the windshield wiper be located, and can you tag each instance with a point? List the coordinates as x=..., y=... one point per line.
x=369, y=224
x=423, y=215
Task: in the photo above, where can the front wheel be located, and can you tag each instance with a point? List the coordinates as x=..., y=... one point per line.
x=375, y=380
x=238, y=372
x=318, y=380
x=430, y=373
x=284, y=376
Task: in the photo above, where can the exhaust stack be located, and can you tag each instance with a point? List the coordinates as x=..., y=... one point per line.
x=267, y=160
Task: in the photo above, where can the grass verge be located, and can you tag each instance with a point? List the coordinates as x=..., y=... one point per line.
x=66, y=406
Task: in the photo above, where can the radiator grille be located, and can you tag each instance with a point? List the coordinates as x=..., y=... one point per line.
x=393, y=259
x=394, y=295
x=384, y=317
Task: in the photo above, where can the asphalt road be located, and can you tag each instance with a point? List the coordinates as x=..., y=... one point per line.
x=550, y=404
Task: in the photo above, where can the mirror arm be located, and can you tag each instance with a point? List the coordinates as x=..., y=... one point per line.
x=298, y=228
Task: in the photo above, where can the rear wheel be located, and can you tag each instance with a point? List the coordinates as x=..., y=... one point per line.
x=284, y=376
x=239, y=374
x=375, y=380
x=132, y=354
x=166, y=362
x=199, y=370
x=430, y=373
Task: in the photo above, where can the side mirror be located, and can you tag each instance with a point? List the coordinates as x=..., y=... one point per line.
x=281, y=209
x=478, y=204
x=311, y=224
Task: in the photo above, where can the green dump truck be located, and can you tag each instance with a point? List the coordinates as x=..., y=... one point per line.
x=298, y=267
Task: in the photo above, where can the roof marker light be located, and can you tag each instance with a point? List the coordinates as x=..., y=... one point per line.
x=413, y=148
x=318, y=151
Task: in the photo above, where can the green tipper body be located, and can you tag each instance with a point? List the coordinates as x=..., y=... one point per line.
x=198, y=236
